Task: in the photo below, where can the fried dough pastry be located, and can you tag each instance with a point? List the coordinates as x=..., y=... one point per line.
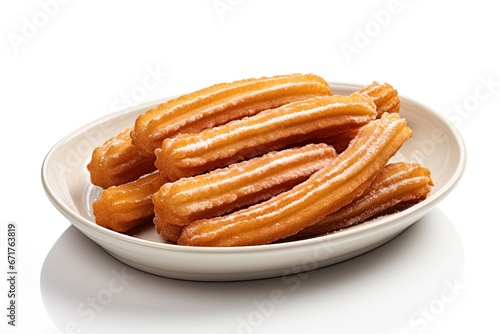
x=191, y=154
x=324, y=193
x=248, y=182
x=399, y=185
x=385, y=97
x=117, y=161
x=220, y=104
x=338, y=141
x=167, y=231
x=123, y=207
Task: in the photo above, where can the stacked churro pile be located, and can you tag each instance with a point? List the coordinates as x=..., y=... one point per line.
x=258, y=161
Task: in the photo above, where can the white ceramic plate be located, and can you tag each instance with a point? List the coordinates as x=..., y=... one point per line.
x=435, y=143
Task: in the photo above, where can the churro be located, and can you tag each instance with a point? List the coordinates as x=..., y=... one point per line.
x=248, y=182
x=191, y=154
x=385, y=97
x=324, y=193
x=257, y=161
x=220, y=104
x=399, y=184
x=128, y=205
x=169, y=232
x=117, y=161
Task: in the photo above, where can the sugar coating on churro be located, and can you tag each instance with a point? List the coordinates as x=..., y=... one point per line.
x=384, y=95
x=117, y=161
x=396, y=185
x=331, y=188
x=221, y=103
x=128, y=205
x=191, y=154
x=223, y=190
x=256, y=161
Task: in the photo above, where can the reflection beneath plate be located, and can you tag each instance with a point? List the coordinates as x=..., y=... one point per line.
x=86, y=290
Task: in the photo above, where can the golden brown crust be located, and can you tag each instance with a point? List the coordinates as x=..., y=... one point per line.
x=224, y=190
x=221, y=103
x=385, y=97
x=117, y=161
x=398, y=184
x=167, y=231
x=123, y=207
x=191, y=154
x=328, y=190
x=171, y=168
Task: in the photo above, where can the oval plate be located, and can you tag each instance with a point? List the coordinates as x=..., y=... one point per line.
x=435, y=144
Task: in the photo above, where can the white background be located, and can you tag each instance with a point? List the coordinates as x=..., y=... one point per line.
x=66, y=63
